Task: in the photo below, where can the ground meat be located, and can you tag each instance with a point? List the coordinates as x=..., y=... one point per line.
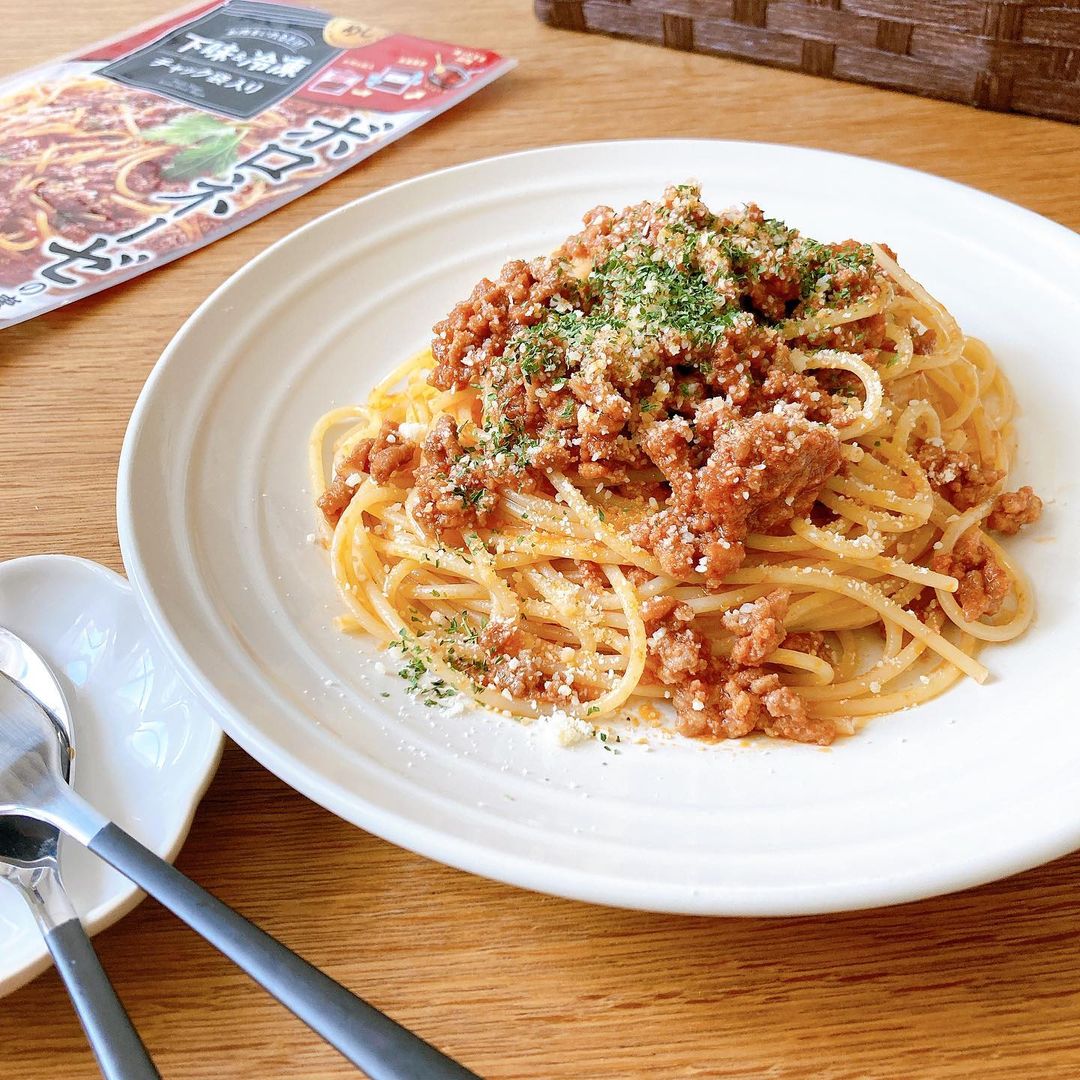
x=984, y=583
x=514, y=663
x=923, y=342
x=508, y=658
x=1014, y=509
x=585, y=245
x=477, y=330
x=761, y=472
x=501, y=636
x=747, y=700
x=927, y=609
x=382, y=457
x=335, y=498
x=771, y=294
x=789, y=719
x=955, y=475
x=450, y=496
x=607, y=410
x=808, y=641
x=658, y=608
x=589, y=575
x=638, y=576
x=676, y=654
x=758, y=627
x=779, y=460
x=782, y=386
x=669, y=444
x=720, y=698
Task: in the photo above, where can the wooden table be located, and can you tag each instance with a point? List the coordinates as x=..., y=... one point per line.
x=985, y=983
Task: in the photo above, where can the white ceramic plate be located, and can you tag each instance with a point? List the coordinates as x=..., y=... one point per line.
x=145, y=747
x=214, y=511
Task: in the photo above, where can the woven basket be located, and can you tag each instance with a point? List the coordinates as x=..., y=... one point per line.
x=1012, y=55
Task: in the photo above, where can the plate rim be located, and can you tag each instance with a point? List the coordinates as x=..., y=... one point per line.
x=474, y=857
x=111, y=912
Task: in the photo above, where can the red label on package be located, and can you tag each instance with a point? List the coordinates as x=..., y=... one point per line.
x=149, y=146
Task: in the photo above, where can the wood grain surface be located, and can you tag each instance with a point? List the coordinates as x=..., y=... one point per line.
x=982, y=984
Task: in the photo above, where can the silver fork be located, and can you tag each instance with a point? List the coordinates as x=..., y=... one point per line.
x=29, y=860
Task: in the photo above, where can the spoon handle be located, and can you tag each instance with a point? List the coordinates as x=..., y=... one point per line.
x=120, y=1052
x=369, y=1039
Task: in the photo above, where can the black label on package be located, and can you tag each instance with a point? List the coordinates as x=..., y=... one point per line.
x=238, y=59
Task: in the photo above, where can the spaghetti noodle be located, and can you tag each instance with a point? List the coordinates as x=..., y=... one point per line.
x=689, y=456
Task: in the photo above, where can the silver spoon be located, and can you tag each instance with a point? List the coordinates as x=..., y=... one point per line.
x=32, y=785
x=29, y=860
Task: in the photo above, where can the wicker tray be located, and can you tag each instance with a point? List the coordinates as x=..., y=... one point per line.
x=1012, y=55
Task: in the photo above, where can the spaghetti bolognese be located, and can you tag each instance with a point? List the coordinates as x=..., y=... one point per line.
x=689, y=456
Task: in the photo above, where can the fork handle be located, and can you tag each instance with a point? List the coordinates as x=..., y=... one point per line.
x=369, y=1039
x=120, y=1052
